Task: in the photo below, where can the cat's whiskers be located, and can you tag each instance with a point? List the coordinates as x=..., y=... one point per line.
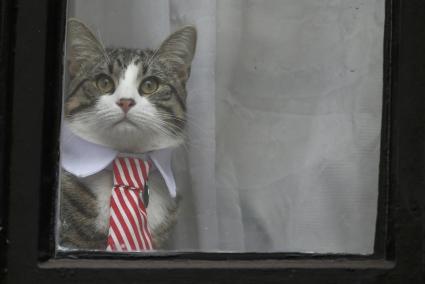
x=187, y=121
x=156, y=124
x=187, y=141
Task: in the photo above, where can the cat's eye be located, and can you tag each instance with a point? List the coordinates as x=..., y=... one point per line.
x=105, y=83
x=149, y=86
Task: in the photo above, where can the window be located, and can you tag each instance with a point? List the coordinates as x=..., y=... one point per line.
x=257, y=165
x=34, y=144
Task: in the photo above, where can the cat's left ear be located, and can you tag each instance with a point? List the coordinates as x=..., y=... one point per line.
x=82, y=46
x=179, y=48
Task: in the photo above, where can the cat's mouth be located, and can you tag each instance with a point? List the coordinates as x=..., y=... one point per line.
x=125, y=121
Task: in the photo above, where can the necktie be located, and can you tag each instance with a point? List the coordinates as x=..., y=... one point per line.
x=128, y=223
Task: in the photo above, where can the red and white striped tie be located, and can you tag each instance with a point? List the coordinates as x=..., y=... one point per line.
x=128, y=222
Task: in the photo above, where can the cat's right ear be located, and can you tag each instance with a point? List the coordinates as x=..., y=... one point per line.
x=179, y=48
x=82, y=46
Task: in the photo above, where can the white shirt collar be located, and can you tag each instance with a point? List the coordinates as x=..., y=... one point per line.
x=83, y=158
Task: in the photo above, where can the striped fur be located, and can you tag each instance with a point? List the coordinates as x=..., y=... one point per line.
x=155, y=121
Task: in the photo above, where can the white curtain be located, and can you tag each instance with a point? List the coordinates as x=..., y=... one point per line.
x=285, y=113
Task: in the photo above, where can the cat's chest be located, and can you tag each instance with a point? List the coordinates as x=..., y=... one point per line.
x=100, y=185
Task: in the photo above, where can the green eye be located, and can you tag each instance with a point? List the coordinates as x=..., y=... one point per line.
x=105, y=83
x=149, y=85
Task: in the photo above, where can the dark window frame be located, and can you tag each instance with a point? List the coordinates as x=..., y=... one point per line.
x=32, y=33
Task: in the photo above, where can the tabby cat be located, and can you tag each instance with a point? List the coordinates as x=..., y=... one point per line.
x=133, y=101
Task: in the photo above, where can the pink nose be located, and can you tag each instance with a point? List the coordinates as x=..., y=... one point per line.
x=126, y=104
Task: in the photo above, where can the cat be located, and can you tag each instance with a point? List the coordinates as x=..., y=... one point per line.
x=131, y=100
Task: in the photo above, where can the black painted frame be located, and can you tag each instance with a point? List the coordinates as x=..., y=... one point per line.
x=31, y=50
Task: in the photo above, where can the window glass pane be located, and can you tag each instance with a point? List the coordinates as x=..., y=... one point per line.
x=272, y=130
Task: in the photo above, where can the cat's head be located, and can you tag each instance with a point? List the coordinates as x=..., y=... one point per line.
x=132, y=100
